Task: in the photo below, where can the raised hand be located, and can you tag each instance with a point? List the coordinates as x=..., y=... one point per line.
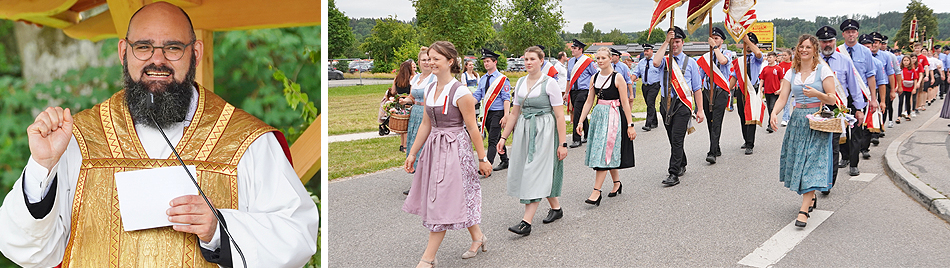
x=49, y=135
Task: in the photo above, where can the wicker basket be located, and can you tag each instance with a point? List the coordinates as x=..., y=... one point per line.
x=833, y=125
x=399, y=123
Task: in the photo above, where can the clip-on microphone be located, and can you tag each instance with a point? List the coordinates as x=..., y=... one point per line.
x=151, y=106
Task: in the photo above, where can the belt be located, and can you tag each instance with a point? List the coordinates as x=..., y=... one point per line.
x=808, y=105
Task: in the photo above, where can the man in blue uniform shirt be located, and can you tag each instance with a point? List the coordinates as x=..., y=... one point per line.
x=650, y=85
x=753, y=61
x=861, y=58
x=888, y=75
x=716, y=104
x=676, y=114
x=499, y=106
x=841, y=65
x=622, y=69
x=578, y=86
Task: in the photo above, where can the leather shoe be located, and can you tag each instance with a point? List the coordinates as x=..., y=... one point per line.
x=844, y=163
x=406, y=192
x=583, y=140
x=866, y=155
x=553, y=215
x=711, y=158
x=575, y=144
x=854, y=171
x=748, y=150
x=646, y=128
x=501, y=166
x=523, y=228
x=826, y=192
x=743, y=146
x=682, y=171
x=876, y=141
x=672, y=180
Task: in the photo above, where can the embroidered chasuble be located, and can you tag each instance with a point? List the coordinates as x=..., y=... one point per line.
x=214, y=142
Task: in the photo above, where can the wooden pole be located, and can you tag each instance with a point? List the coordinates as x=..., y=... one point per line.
x=669, y=60
x=712, y=88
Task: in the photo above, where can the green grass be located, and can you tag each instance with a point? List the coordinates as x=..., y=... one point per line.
x=349, y=158
x=353, y=109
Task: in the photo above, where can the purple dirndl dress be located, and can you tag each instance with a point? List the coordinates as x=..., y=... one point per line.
x=445, y=189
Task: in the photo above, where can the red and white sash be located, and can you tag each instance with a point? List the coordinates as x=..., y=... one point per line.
x=718, y=77
x=549, y=69
x=579, y=66
x=496, y=87
x=854, y=73
x=754, y=106
x=683, y=91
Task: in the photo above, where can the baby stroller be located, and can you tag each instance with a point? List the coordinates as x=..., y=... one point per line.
x=383, y=116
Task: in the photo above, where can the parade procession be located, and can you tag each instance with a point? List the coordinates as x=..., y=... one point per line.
x=780, y=114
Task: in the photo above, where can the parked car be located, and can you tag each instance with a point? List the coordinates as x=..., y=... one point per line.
x=360, y=66
x=334, y=74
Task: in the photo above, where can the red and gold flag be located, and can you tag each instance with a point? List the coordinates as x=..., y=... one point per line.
x=662, y=8
x=739, y=17
x=913, y=29
x=697, y=12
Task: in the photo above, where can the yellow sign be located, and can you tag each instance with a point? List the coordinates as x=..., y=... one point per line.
x=765, y=31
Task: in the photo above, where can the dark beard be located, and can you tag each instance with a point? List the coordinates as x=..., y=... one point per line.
x=172, y=99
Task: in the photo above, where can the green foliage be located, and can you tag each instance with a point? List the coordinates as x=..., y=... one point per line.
x=338, y=31
x=616, y=36
x=9, y=57
x=589, y=34
x=243, y=76
x=295, y=98
x=656, y=36
x=527, y=23
x=502, y=64
x=407, y=51
x=926, y=23
x=465, y=23
x=388, y=35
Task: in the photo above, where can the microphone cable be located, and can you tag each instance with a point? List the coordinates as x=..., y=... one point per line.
x=203, y=196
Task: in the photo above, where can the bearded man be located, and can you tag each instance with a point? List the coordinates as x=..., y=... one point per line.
x=64, y=209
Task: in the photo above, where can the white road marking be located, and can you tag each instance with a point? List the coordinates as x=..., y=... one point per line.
x=784, y=241
x=865, y=177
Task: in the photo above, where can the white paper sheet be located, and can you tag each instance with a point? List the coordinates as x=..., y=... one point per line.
x=144, y=195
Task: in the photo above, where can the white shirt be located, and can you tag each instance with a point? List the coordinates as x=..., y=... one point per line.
x=459, y=93
x=551, y=89
x=275, y=224
x=561, y=75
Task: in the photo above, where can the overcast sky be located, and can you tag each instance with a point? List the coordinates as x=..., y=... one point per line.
x=634, y=15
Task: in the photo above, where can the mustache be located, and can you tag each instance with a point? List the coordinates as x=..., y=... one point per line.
x=155, y=68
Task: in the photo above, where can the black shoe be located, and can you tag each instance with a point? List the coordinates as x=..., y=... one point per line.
x=595, y=202
x=575, y=144
x=814, y=204
x=769, y=129
x=583, y=140
x=748, y=150
x=501, y=166
x=826, y=192
x=646, y=128
x=553, y=215
x=743, y=146
x=718, y=154
x=672, y=180
x=877, y=141
x=844, y=163
x=682, y=171
x=802, y=223
x=711, y=158
x=402, y=148
x=406, y=192
x=866, y=155
x=854, y=171
x=619, y=190
x=522, y=228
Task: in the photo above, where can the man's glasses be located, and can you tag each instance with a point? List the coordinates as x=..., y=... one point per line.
x=143, y=50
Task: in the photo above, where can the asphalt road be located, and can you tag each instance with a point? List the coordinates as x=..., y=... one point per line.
x=716, y=217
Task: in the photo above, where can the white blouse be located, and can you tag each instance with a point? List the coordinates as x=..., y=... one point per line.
x=551, y=88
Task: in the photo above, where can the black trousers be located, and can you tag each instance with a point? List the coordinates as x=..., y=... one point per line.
x=748, y=131
x=904, y=103
x=676, y=124
x=888, y=113
x=858, y=136
x=714, y=114
x=943, y=87
x=493, y=126
x=770, y=100
x=578, y=98
x=650, y=91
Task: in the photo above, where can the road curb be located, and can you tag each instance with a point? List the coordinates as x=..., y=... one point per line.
x=909, y=183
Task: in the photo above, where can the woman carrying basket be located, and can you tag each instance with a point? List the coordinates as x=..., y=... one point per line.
x=806, y=161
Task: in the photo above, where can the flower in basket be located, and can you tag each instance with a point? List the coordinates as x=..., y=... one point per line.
x=396, y=108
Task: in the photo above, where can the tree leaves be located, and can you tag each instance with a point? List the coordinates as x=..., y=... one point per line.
x=527, y=23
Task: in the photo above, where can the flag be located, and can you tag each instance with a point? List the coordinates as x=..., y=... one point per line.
x=697, y=12
x=913, y=29
x=662, y=8
x=739, y=17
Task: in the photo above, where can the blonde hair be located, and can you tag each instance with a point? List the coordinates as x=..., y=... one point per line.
x=422, y=50
x=797, y=61
x=535, y=50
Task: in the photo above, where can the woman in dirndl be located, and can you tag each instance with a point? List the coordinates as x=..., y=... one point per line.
x=610, y=141
x=806, y=161
x=945, y=112
x=445, y=188
x=538, y=146
x=419, y=84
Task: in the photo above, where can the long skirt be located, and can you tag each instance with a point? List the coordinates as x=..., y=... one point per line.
x=806, y=162
x=445, y=188
x=534, y=172
x=608, y=145
x=945, y=112
x=415, y=119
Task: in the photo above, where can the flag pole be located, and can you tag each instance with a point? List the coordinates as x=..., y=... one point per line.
x=712, y=88
x=669, y=60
